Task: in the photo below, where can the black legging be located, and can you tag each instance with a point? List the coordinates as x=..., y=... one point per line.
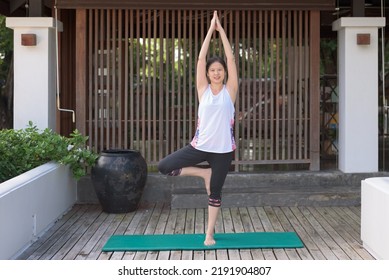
x=188, y=156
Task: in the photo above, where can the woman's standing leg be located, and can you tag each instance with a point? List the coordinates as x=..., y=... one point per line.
x=220, y=165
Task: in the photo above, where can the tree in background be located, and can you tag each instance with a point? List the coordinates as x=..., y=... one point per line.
x=6, y=83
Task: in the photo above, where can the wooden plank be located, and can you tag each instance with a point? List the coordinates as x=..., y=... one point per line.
x=50, y=232
x=284, y=18
x=350, y=214
x=199, y=228
x=130, y=229
x=323, y=229
x=81, y=66
x=122, y=230
x=107, y=79
x=309, y=242
x=245, y=254
x=94, y=62
x=100, y=119
x=121, y=77
x=312, y=232
x=276, y=227
x=126, y=73
x=354, y=232
x=262, y=214
x=219, y=228
x=338, y=232
x=146, y=211
x=344, y=231
x=106, y=219
x=341, y=217
x=314, y=87
x=160, y=229
x=267, y=253
x=248, y=226
x=96, y=243
x=302, y=253
x=179, y=229
x=138, y=226
x=352, y=226
x=246, y=222
x=83, y=240
x=233, y=254
x=85, y=221
x=256, y=221
x=57, y=235
x=300, y=80
x=97, y=253
x=170, y=226
x=254, y=226
x=150, y=229
x=277, y=89
x=210, y=254
x=189, y=228
x=356, y=210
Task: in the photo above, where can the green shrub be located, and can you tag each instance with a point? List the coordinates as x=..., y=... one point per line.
x=25, y=149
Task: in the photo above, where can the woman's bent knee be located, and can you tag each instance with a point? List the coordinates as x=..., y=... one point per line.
x=163, y=167
x=166, y=169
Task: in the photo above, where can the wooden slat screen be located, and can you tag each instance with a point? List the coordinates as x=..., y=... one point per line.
x=141, y=81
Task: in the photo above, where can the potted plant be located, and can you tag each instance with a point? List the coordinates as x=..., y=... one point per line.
x=24, y=149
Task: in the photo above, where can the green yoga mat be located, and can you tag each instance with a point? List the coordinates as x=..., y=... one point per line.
x=165, y=242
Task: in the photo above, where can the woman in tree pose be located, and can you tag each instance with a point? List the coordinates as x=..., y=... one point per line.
x=214, y=138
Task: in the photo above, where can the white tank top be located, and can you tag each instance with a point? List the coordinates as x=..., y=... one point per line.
x=215, y=123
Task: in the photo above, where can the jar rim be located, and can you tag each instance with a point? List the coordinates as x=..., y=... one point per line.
x=119, y=151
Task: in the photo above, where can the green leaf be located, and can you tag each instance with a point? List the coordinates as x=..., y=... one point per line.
x=28, y=148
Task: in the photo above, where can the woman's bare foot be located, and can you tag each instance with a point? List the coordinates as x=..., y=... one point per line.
x=209, y=240
x=207, y=180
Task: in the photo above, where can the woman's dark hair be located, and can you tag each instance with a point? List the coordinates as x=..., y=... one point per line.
x=215, y=59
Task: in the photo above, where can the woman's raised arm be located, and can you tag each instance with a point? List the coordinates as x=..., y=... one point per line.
x=201, y=75
x=232, y=81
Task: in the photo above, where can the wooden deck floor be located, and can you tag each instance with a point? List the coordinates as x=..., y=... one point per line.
x=328, y=233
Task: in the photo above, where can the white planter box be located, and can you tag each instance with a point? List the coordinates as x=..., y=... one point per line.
x=30, y=203
x=375, y=216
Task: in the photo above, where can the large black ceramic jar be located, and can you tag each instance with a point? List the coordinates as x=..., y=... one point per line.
x=119, y=178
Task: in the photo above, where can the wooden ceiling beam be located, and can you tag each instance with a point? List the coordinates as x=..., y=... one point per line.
x=15, y=4
x=358, y=8
x=196, y=4
x=36, y=8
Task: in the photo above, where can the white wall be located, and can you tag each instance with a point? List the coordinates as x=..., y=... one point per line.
x=30, y=203
x=375, y=216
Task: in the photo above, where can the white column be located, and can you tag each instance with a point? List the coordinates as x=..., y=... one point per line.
x=34, y=72
x=358, y=93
